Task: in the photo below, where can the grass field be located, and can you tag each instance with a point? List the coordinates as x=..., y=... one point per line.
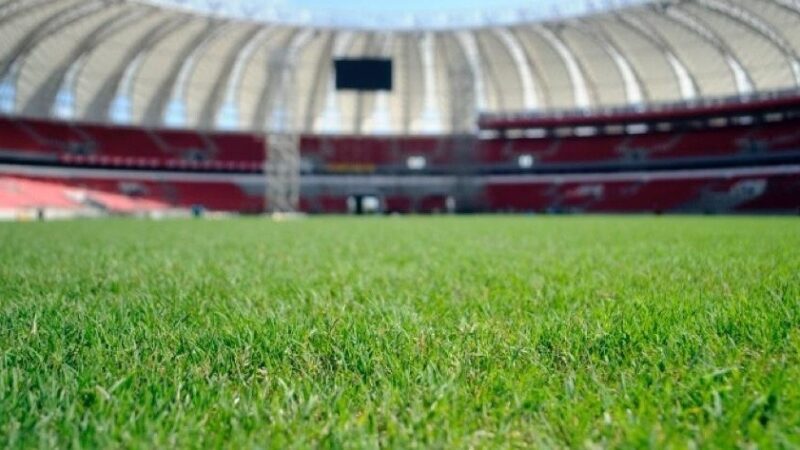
x=423, y=332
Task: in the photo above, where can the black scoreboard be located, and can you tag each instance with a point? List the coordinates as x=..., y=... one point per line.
x=363, y=74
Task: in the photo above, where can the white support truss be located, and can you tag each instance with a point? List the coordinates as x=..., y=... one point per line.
x=464, y=119
x=282, y=172
x=282, y=153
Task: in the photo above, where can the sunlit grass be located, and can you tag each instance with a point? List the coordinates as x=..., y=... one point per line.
x=403, y=333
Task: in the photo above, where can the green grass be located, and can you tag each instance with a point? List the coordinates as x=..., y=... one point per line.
x=583, y=332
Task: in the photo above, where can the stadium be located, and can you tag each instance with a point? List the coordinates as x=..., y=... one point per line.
x=580, y=229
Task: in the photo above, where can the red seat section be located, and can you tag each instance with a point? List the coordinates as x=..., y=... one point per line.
x=398, y=204
x=212, y=195
x=576, y=149
x=16, y=192
x=780, y=194
x=712, y=193
x=367, y=154
x=649, y=196
x=126, y=145
x=754, y=190
x=118, y=146
x=181, y=141
x=704, y=143
x=332, y=204
x=15, y=136
x=438, y=151
x=239, y=147
x=779, y=137
x=216, y=196
x=657, y=146
x=518, y=197
x=742, y=130
x=61, y=194
x=348, y=154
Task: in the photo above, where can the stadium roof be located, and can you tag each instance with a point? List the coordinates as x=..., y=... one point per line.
x=128, y=61
x=396, y=15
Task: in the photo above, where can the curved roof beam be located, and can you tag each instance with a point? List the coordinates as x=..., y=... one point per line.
x=403, y=99
x=225, y=94
x=544, y=99
x=330, y=120
x=13, y=9
x=65, y=77
x=758, y=26
x=471, y=52
x=493, y=74
x=381, y=115
x=744, y=83
x=44, y=30
x=791, y=5
x=580, y=88
x=530, y=100
x=430, y=121
x=370, y=48
x=319, y=85
x=276, y=98
x=179, y=79
x=122, y=82
x=686, y=81
x=635, y=92
x=259, y=120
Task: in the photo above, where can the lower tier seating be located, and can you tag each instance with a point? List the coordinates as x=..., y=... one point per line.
x=718, y=191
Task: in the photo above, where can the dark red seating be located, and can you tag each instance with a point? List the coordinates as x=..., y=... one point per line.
x=778, y=137
x=331, y=204
x=117, y=142
x=14, y=136
x=398, y=204
x=781, y=195
x=180, y=141
x=117, y=146
x=518, y=197
x=220, y=196
x=234, y=147
x=720, y=193
x=649, y=196
x=438, y=151
x=705, y=143
x=352, y=152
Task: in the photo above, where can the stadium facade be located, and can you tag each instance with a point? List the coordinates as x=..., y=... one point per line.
x=684, y=105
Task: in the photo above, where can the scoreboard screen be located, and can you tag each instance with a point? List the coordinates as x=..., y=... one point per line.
x=363, y=74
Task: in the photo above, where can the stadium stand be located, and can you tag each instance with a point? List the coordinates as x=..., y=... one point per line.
x=115, y=146
x=657, y=107
x=765, y=190
x=729, y=143
x=671, y=138
x=44, y=193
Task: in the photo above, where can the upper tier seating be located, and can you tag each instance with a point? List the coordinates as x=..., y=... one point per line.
x=654, y=146
x=112, y=146
x=360, y=154
x=16, y=137
x=680, y=138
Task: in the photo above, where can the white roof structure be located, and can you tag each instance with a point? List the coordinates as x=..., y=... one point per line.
x=140, y=63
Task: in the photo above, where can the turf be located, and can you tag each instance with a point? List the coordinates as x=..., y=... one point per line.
x=477, y=332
